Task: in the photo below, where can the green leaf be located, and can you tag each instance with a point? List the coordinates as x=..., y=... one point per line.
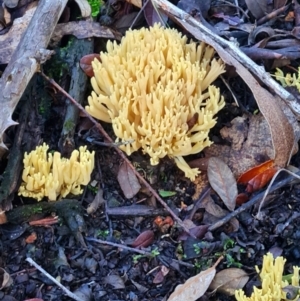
x=165, y=193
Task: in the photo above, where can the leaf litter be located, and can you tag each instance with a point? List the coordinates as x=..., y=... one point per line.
x=123, y=212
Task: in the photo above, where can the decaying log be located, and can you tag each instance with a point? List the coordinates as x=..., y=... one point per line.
x=26, y=59
x=77, y=90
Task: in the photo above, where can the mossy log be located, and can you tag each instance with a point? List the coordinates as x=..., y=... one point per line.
x=67, y=209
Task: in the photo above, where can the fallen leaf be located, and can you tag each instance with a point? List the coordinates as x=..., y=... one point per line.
x=165, y=194
x=261, y=180
x=214, y=209
x=10, y=40
x=144, y=240
x=258, y=8
x=279, y=3
x=6, y=280
x=141, y=288
x=86, y=63
x=251, y=144
x=160, y=276
x=222, y=181
x=258, y=176
x=84, y=292
x=196, y=286
x=152, y=15
x=96, y=203
x=198, y=232
x=128, y=181
x=31, y=238
x=251, y=173
x=91, y=265
x=115, y=280
x=229, y=280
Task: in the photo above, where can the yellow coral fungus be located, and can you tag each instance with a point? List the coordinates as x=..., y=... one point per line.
x=47, y=175
x=150, y=86
x=272, y=287
x=288, y=80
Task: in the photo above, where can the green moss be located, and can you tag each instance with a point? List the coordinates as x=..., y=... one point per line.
x=95, y=5
x=69, y=125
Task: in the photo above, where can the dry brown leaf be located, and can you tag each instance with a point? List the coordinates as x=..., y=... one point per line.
x=222, y=181
x=279, y=3
x=196, y=286
x=258, y=8
x=214, y=209
x=229, y=280
x=144, y=240
x=10, y=40
x=251, y=144
x=115, y=280
x=128, y=181
x=6, y=279
x=96, y=203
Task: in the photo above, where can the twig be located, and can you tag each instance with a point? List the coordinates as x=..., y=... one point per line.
x=69, y=293
x=142, y=252
x=272, y=15
x=250, y=203
x=113, y=244
x=121, y=154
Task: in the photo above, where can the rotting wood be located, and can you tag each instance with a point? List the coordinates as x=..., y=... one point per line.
x=26, y=59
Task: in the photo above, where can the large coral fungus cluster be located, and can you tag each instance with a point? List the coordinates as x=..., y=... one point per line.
x=273, y=285
x=151, y=86
x=49, y=175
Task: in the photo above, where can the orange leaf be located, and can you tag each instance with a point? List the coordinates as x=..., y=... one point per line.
x=86, y=63
x=241, y=199
x=253, y=172
x=261, y=179
x=31, y=238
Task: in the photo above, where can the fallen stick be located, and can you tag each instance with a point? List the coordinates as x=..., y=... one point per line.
x=38, y=267
x=26, y=59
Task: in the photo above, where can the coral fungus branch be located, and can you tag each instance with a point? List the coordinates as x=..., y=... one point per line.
x=150, y=86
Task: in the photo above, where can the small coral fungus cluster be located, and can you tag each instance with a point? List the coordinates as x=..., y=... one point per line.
x=273, y=285
x=155, y=89
x=47, y=175
x=288, y=80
